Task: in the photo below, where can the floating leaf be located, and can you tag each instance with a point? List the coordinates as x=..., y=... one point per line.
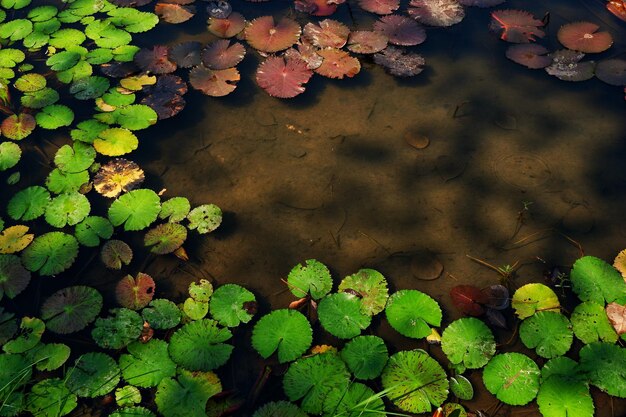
x=49, y=357
x=227, y=28
x=71, y=309
x=175, y=209
x=133, y=412
x=560, y=396
x=380, y=6
x=284, y=331
x=127, y=395
x=461, y=387
x=214, y=83
x=279, y=409
x=135, y=293
x=201, y=291
x=264, y=35
x=312, y=278
x=29, y=335
x=414, y=381
x=326, y=34
x=137, y=82
x=88, y=130
x=400, y=30
x=136, y=210
x=165, y=98
x=155, y=60
x=436, y=13
x=617, y=316
x=29, y=83
x=161, y=314
x=316, y=7
x=341, y=315
x=595, y=280
x=16, y=29
x=512, y=377
x=566, y=66
x=366, y=42
x=517, y=26
x=313, y=379
x=89, y=88
x=50, y=253
x=93, y=374
x=121, y=328
x=115, y=141
x=366, y=356
x=205, y=218
x=39, y=99
x=116, y=253
x=591, y=323
x=54, y=116
x=410, y=312
x=187, y=395
x=338, y=64
x=195, y=310
x=75, y=158
x=584, y=37
x=548, y=332
x=617, y=8
x=29, y=203
x=165, y=238
x=90, y=231
x=371, y=287
x=67, y=210
x=532, y=298
x=186, y=54
x=174, y=13
x=600, y=362
x=60, y=182
x=14, y=278
x=220, y=54
x=132, y=20
x=17, y=127
x=399, y=63
x=481, y=3
x=357, y=400
x=610, y=71
x=14, y=239
x=232, y=305
x=10, y=155
x=117, y=176
x=50, y=398
x=468, y=342
x=198, y=346
x=147, y=364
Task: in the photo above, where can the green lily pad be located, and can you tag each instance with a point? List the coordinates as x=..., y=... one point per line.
x=603, y=365
x=165, y=238
x=71, y=309
x=67, y=210
x=99, y=56
x=136, y=117
x=64, y=38
x=31, y=329
x=548, y=332
x=55, y=116
x=89, y=88
x=187, y=395
x=232, y=305
x=120, y=329
x=595, y=280
x=531, y=298
x=60, y=182
x=14, y=178
x=133, y=412
x=16, y=29
x=411, y=313
x=93, y=374
x=195, y=310
x=415, y=382
x=75, y=158
x=371, y=286
x=198, y=346
x=18, y=126
x=279, y=409
x=15, y=4
x=92, y=230
x=42, y=13
x=147, y=364
x=512, y=377
x=468, y=342
x=40, y=98
x=127, y=395
x=313, y=378
x=50, y=253
x=136, y=209
x=461, y=387
x=116, y=253
x=357, y=401
x=175, y=209
x=29, y=83
x=133, y=20
x=8, y=327
x=63, y=60
x=14, y=278
x=29, y=203
x=205, y=218
x=115, y=141
x=87, y=131
x=201, y=291
x=562, y=366
x=161, y=314
x=9, y=57
x=341, y=315
x=312, y=278
x=562, y=397
x=125, y=53
x=10, y=155
x=366, y=356
x=48, y=357
x=17, y=371
x=284, y=331
x=50, y=398
x=106, y=35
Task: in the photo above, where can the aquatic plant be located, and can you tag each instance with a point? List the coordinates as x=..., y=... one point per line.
x=285, y=332
x=71, y=309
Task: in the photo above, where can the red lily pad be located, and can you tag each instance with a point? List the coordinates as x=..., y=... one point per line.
x=611, y=71
x=517, y=26
x=135, y=293
x=337, y=64
x=305, y=52
x=481, y=3
x=264, y=35
x=400, y=30
x=155, y=60
x=214, y=83
x=283, y=77
x=400, y=63
x=220, y=54
x=468, y=299
x=367, y=42
x=186, y=54
x=165, y=97
x=436, y=12
x=380, y=6
x=316, y=7
x=326, y=34
x=529, y=55
x=174, y=13
x=227, y=28
x=566, y=66
x=584, y=37
x=17, y=127
x=617, y=8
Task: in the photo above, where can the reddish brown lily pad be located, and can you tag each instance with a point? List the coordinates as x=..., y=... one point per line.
x=617, y=317
x=220, y=54
x=516, y=26
x=584, y=37
x=214, y=83
x=481, y=3
x=135, y=293
x=567, y=66
x=617, y=8
x=17, y=127
x=326, y=34
x=380, y=6
x=283, y=77
x=316, y=7
x=529, y=55
x=165, y=97
x=400, y=30
x=118, y=69
x=186, y=54
x=436, y=12
x=264, y=35
x=155, y=60
x=305, y=52
x=115, y=253
x=117, y=176
x=367, y=42
x=338, y=64
x=611, y=71
x=227, y=28
x=468, y=299
x=400, y=63
x=174, y=13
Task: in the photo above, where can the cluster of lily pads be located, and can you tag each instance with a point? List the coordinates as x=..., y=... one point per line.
x=163, y=357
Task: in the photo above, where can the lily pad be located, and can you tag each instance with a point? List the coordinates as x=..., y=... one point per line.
x=231, y=305
x=93, y=374
x=312, y=278
x=67, y=210
x=560, y=396
x=50, y=398
x=198, y=346
x=136, y=117
x=548, y=332
x=71, y=309
x=411, y=313
x=161, y=314
x=175, y=209
x=337, y=64
x=117, y=176
x=136, y=210
x=50, y=253
x=357, y=400
x=214, y=83
x=279, y=409
x=135, y=293
x=468, y=342
x=595, y=280
x=116, y=253
x=512, y=377
x=601, y=363
x=75, y=158
x=155, y=60
x=49, y=357
x=531, y=298
x=14, y=278
x=266, y=35
x=567, y=66
x=195, y=310
x=38, y=100
x=205, y=218
x=415, y=381
x=341, y=315
x=60, y=182
x=461, y=387
x=127, y=395
x=165, y=238
x=284, y=331
x=133, y=412
x=89, y=88
x=591, y=323
x=371, y=286
x=18, y=126
x=228, y=27
x=14, y=239
x=201, y=291
x=366, y=356
x=617, y=316
x=29, y=335
x=147, y=364
x=118, y=330
x=186, y=395
x=115, y=141
x=92, y=230
x=283, y=77
x=29, y=203
x=441, y=13
x=55, y=116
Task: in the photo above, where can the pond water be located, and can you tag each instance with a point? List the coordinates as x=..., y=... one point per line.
x=329, y=175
